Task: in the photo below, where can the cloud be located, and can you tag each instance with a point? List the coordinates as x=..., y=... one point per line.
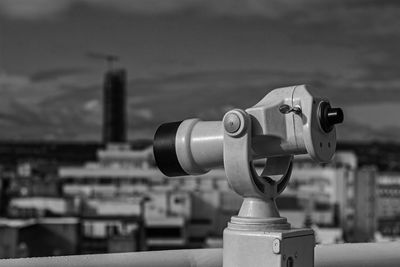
x=92, y=105
x=76, y=114
x=265, y=8
x=367, y=28
x=30, y=9
x=52, y=74
x=144, y=113
x=7, y=80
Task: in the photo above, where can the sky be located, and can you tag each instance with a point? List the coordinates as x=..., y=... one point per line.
x=195, y=58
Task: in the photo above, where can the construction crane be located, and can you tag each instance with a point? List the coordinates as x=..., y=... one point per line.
x=110, y=59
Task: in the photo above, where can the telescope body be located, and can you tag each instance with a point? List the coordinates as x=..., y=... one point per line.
x=287, y=121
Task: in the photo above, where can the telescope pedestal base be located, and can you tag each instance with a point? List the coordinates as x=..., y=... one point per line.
x=260, y=245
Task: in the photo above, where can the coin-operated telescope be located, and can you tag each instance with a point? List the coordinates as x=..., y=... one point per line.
x=286, y=122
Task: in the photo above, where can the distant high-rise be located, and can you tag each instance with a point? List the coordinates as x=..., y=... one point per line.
x=114, y=109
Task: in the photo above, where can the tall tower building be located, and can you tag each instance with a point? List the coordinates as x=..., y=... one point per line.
x=114, y=107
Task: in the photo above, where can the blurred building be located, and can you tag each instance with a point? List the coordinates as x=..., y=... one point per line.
x=114, y=107
x=38, y=237
x=124, y=203
x=389, y=195
x=30, y=179
x=119, y=171
x=333, y=195
x=111, y=225
x=305, y=209
x=164, y=233
x=361, y=217
x=36, y=207
x=389, y=204
x=166, y=213
x=110, y=197
x=324, y=184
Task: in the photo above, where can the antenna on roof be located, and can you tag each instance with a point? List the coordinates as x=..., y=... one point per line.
x=109, y=58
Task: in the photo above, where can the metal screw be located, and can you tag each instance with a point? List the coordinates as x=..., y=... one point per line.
x=276, y=246
x=232, y=123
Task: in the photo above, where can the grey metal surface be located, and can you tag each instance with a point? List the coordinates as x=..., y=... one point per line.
x=340, y=255
x=358, y=255
x=258, y=248
x=172, y=258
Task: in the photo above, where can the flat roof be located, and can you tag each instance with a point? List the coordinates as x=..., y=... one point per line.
x=164, y=221
x=104, y=172
x=16, y=223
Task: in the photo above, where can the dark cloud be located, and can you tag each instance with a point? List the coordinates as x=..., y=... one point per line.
x=207, y=94
x=372, y=3
x=204, y=94
x=354, y=131
x=52, y=74
x=47, y=8
x=231, y=57
x=368, y=28
x=232, y=8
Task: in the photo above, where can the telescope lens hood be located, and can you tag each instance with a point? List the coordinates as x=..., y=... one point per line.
x=164, y=149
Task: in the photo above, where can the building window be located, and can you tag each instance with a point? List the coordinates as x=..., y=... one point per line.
x=164, y=232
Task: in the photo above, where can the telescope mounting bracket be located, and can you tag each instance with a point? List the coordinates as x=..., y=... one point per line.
x=258, y=190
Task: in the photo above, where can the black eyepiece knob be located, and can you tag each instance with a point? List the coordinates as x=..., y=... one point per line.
x=329, y=116
x=334, y=116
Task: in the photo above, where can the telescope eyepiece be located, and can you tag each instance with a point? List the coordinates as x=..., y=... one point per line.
x=329, y=117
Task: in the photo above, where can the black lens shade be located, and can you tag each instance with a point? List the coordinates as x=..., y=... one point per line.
x=165, y=151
